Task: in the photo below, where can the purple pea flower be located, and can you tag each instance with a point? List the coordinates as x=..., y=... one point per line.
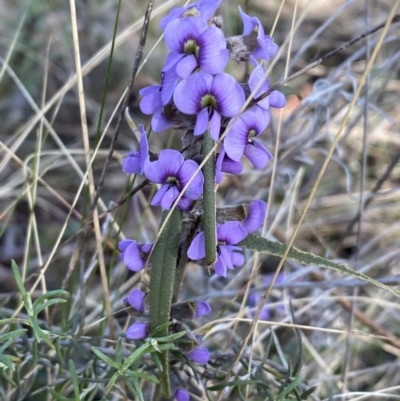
x=259, y=84
x=134, y=255
x=256, y=212
x=239, y=140
x=137, y=331
x=174, y=172
x=266, y=49
x=210, y=97
x=181, y=395
x=228, y=235
x=224, y=164
x=199, y=355
x=133, y=163
x=204, y=9
x=136, y=300
x=201, y=309
x=194, y=44
x=155, y=97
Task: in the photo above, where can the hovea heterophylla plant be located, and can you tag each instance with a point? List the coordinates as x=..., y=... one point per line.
x=198, y=97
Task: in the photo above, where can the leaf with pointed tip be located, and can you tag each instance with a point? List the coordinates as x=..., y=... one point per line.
x=262, y=245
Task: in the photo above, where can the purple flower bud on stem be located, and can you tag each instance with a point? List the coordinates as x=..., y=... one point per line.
x=136, y=300
x=181, y=395
x=202, y=309
x=199, y=355
x=137, y=331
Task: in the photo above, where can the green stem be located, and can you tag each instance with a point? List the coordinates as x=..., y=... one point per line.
x=209, y=200
x=162, y=279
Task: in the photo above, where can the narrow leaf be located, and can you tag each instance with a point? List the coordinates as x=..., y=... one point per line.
x=105, y=358
x=262, y=245
x=162, y=282
x=209, y=203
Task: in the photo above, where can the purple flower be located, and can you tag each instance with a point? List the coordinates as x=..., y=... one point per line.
x=267, y=49
x=155, y=97
x=136, y=300
x=256, y=212
x=202, y=308
x=137, y=331
x=239, y=140
x=228, y=235
x=194, y=44
x=210, y=97
x=174, y=172
x=204, y=9
x=133, y=163
x=181, y=395
x=134, y=255
x=199, y=355
x=259, y=84
x=225, y=164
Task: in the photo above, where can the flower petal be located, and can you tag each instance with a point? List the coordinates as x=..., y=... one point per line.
x=231, y=232
x=186, y=66
x=136, y=300
x=167, y=165
x=181, y=395
x=277, y=99
x=220, y=268
x=224, y=254
x=188, y=93
x=159, y=195
x=123, y=245
x=197, y=249
x=133, y=257
x=151, y=103
x=159, y=122
x=179, y=31
x=229, y=94
x=256, y=212
x=169, y=197
x=186, y=172
x=131, y=163
x=258, y=154
x=199, y=355
x=202, y=308
x=213, y=55
x=215, y=125
x=201, y=122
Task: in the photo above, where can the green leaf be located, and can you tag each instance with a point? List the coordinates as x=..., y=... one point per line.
x=74, y=379
x=6, y=362
x=12, y=335
x=308, y=392
x=147, y=377
x=135, y=389
x=162, y=280
x=39, y=308
x=171, y=337
x=111, y=383
x=209, y=204
x=51, y=294
x=290, y=387
x=105, y=358
x=143, y=349
x=25, y=296
x=262, y=245
x=59, y=397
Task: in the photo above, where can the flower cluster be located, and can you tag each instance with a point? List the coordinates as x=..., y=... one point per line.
x=198, y=96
